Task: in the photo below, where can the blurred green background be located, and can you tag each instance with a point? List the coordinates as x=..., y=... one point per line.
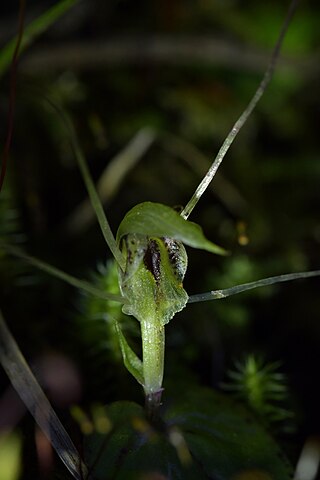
x=173, y=76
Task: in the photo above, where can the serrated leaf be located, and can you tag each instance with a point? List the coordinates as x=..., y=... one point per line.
x=131, y=361
x=157, y=220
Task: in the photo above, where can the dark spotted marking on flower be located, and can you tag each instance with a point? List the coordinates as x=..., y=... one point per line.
x=125, y=242
x=152, y=259
x=175, y=258
x=131, y=248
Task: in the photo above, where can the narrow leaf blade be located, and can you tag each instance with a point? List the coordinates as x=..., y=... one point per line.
x=90, y=186
x=75, y=282
x=37, y=403
x=228, y=292
x=32, y=31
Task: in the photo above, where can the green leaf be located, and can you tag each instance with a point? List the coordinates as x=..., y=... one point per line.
x=226, y=439
x=203, y=435
x=157, y=220
x=32, y=31
x=134, y=449
x=132, y=362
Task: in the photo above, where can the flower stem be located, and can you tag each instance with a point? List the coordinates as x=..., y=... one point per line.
x=153, y=341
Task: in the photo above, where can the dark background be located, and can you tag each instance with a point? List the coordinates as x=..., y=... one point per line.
x=186, y=70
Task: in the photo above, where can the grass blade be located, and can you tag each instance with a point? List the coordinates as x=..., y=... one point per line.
x=227, y=292
x=242, y=119
x=75, y=282
x=93, y=194
x=32, y=31
x=111, y=178
x=37, y=403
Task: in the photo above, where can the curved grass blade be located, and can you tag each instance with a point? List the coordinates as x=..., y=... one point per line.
x=93, y=194
x=111, y=178
x=75, y=282
x=227, y=292
x=32, y=31
x=243, y=117
x=37, y=403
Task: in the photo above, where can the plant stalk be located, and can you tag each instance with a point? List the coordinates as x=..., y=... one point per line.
x=153, y=341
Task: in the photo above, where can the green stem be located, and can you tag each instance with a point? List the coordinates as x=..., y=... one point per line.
x=153, y=362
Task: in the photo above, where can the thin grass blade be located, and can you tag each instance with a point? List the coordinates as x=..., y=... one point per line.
x=93, y=194
x=37, y=403
x=227, y=292
x=112, y=178
x=75, y=282
x=243, y=117
x=33, y=30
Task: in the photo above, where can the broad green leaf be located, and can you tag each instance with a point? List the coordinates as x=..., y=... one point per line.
x=226, y=439
x=130, y=359
x=157, y=220
x=204, y=435
x=32, y=31
x=134, y=449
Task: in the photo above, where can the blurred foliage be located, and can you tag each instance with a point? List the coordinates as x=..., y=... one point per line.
x=10, y=452
x=9, y=231
x=263, y=389
x=273, y=167
x=202, y=436
x=32, y=31
x=98, y=337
